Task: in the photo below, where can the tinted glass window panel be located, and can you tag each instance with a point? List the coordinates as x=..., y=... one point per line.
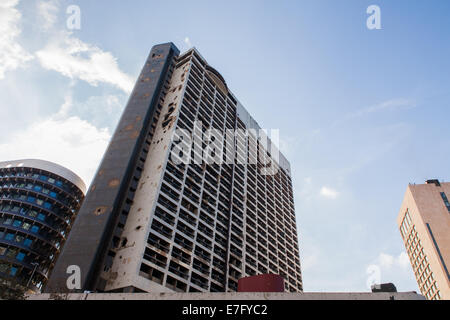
x=20, y=256
x=17, y=223
x=13, y=271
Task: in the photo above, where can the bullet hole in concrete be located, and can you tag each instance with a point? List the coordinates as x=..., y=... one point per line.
x=167, y=122
x=100, y=211
x=134, y=135
x=113, y=183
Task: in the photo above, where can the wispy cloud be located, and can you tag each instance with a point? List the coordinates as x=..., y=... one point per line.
x=76, y=59
x=71, y=142
x=329, y=193
x=101, y=111
x=388, y=261
x=390, y=268
x=393, y=104
x=77, y=134
x=48, y=13
x=12, y=54
x=188, y=42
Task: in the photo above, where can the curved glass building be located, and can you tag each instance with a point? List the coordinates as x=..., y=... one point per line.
x=38, y=204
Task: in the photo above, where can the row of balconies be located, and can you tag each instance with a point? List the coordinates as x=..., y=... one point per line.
x=43, y=178
x=284, y=201
x=194, y=86
x=262, y=245
x=45, y=190
x=181, y=255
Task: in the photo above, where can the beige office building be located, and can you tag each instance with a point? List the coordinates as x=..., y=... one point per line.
x=424, y=222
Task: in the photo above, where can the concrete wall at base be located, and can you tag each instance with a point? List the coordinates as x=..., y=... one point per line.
x=233, y=296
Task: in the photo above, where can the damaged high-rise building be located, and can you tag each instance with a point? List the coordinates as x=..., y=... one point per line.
x=156, y=221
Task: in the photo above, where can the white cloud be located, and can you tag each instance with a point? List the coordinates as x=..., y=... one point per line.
x=388, y=261
x=76, y=59
x=188, y=42
x=101, y=106
x=12, y=55
x=403, y=260
x=392, y=104
x=101, y=111
x=77, y=135
x=70, y=142
x=391, y=268
x=48, y=11
x=329, y=193
x=65, y=107
x=399, y=103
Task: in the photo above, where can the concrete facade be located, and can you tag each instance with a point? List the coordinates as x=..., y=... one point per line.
x=104, y=212
x=194, y=227
x=234, y=296
x=167, y=218
x=424, y=222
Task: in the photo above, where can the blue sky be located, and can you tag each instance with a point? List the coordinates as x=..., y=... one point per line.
x=362, y=112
